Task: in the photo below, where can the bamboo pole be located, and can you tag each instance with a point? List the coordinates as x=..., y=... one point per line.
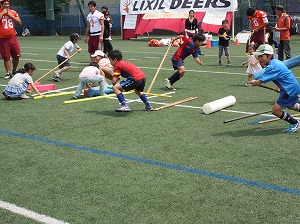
x=56, y=67
x=276, y=119
x=175, y=103
x=154, y=78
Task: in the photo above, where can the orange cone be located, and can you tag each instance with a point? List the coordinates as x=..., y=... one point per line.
x=208, y=44
x=236, y=41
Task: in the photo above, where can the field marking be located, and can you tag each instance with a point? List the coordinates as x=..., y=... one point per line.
x=160, y=164
x=29, y=214
x=154, y=68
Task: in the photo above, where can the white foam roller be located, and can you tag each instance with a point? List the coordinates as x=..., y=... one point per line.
x=219, y=104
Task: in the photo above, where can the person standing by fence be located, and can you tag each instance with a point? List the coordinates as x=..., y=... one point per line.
x=94, y=29
x=283, y=26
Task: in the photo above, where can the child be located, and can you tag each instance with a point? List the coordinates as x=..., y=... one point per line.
x=188, y=47
x=63, y=55
x=104, y=65
x=17, y=86
x=90, y=74
x=253, y=64
x=136, y=80
x=277, y=72
x=224, y=42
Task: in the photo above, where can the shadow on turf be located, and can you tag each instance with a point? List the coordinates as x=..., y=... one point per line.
x=256, y=131
x=110, y=113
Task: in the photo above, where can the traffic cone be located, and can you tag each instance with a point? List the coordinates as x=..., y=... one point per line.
x=208, y=44
x=236, y=41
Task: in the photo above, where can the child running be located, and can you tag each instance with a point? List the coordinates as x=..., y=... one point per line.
x=63, y=55
x=253, y=64
x=17, y=86
x=136, y=80
x=188, y=47
x=277, y=72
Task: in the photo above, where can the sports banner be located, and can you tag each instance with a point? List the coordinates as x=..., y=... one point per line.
x=166, y=6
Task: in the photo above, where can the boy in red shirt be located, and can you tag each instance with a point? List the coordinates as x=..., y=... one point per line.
x=9, y=45
x=188, y=47
x=136, y=80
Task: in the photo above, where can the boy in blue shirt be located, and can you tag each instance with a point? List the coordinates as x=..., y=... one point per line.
x=277, y=72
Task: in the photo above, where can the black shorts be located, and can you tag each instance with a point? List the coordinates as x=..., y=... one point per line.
x=131, y=84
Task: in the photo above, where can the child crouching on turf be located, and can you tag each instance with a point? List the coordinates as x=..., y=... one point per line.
x=17, y=86
x=136, y=80
x=277, y=72
x=90, y=74
x=188, y=47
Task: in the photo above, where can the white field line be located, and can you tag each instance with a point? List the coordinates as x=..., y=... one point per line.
x=154, y=68
x=29, y=214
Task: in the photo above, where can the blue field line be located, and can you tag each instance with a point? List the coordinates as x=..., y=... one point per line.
x=161, y=164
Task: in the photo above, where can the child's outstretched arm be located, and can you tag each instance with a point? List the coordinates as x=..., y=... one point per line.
x=176, y=38
x=256, y=82
x=244, y=63
x=198, y=61
x=36, y=90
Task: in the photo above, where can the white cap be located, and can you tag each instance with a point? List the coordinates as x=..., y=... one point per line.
x=264, y=49
x=98, y=53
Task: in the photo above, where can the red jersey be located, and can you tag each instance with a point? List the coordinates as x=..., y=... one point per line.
x=186, y=48
x=7, y=28
x=259, y=18
x=128, y=70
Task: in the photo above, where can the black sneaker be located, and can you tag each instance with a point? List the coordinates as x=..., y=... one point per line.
x=56, y=78
x=14, y=72
x=8, y=76
x=149, y=108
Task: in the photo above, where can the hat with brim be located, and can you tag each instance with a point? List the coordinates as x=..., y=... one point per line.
x=264, y=49
x=98, y=53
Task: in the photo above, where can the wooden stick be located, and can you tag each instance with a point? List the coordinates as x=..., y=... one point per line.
x=276, y=119
x=175, y=103
x=266, y=87
x=150, y=87
x=54, y=95
x=92, y=98
x=243, y=117
x=56, y=67
x=157, y=94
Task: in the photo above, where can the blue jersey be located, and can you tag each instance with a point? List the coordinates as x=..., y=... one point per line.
x=283, y=77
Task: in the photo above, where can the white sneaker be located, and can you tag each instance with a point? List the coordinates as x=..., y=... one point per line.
x=23, y=96
x=123, y=109
x=168, y=84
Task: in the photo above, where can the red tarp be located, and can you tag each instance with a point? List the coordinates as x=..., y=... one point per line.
x=176, y=25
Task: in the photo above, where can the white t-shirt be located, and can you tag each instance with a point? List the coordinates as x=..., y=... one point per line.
x=19, y=78
x=89, y=71
x=94, y=21
x=69, y=46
